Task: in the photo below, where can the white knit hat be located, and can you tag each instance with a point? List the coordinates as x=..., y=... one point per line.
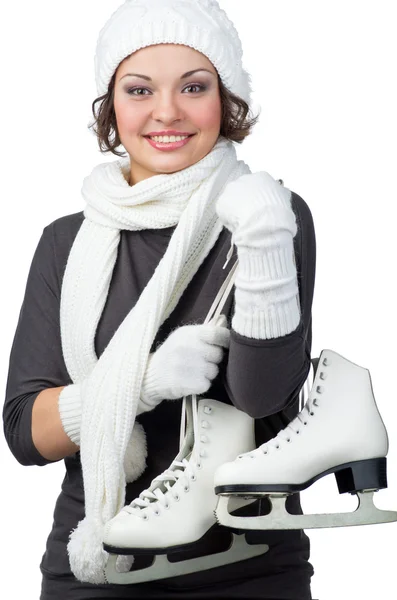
x=200, y=24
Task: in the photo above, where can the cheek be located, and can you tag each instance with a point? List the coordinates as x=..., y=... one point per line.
x=128, y=119
x=209, y=115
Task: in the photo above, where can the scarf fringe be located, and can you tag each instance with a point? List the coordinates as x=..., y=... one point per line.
x=86, y=555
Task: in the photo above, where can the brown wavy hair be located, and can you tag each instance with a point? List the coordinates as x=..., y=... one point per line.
x=236, y=124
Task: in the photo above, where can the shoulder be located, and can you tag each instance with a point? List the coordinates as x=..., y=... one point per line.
x=57, y=240
x=304, y=219
x=63, y=231
x=301, y=210
x=305, y=239
x=65, y=228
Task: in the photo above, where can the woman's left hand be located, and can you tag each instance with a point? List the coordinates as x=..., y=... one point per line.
x=253, y=207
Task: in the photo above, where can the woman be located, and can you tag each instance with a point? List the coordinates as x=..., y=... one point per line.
x=112, y=319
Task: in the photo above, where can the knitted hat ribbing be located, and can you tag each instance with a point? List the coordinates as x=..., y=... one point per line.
x=200, y=24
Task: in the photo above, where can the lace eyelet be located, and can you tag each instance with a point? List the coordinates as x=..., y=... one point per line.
x=208, y=410
x=288, y=440
x=186, y=488
x=167, y=506
x=177, y=497
x=199, y=466
x=311, y=413
x=305, y=422
x=145, y=517
x=156, y=512
x=277, y=447
x=193, y=478
x=298, y=432
x=265, y=452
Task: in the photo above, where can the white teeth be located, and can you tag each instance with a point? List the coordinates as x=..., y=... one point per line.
x=166, y=139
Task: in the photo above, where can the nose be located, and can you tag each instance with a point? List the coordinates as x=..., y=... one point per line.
x=167, y=108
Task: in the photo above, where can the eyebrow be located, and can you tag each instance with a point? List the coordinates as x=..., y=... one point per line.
x=188, y=74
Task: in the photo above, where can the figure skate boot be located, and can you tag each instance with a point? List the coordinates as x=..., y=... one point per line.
x=178, y=508
x=339, y=431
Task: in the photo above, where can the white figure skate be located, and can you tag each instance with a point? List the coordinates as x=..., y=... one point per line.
x=340, y=431
x=178, y=508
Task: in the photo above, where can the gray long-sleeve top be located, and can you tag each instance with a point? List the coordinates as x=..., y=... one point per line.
x=261, y=377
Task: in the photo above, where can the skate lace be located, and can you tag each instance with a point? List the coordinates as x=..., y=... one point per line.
x=295, y=427
x=184, y=469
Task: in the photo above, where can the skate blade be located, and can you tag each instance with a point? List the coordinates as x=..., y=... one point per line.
x=279, y=518
x=162, y=568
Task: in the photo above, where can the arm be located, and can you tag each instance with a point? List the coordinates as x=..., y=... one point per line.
x=48, y=434
x=36, y=365
x=42, y=408
x=263, y=376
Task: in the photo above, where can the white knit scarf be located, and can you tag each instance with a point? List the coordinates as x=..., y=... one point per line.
x=111, y=385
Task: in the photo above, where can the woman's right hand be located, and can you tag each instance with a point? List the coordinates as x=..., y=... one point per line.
x=186, y=362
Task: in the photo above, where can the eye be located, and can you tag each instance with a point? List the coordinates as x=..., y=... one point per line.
x=201, y=88
x=131, y=90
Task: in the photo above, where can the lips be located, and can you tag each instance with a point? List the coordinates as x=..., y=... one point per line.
x=169, y=146
x=169, y=135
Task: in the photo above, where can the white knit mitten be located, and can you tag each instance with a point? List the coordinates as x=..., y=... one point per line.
x=257, y=210
x=186, y=362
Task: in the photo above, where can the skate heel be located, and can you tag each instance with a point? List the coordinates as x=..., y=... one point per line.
x=362, y=475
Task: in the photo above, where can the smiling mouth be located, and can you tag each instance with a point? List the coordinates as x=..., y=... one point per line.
x=173, y=135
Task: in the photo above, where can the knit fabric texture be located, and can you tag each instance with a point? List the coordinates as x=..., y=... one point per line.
x=199, y=24
x=111, y=385
x=257, y=210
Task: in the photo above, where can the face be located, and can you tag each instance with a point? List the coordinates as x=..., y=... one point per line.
x=166, y=99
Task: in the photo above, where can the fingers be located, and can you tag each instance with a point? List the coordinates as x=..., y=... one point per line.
x=215, y=335
x=211, y=371
x=212, y=352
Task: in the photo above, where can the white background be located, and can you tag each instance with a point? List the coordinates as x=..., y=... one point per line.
x=324, y=76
